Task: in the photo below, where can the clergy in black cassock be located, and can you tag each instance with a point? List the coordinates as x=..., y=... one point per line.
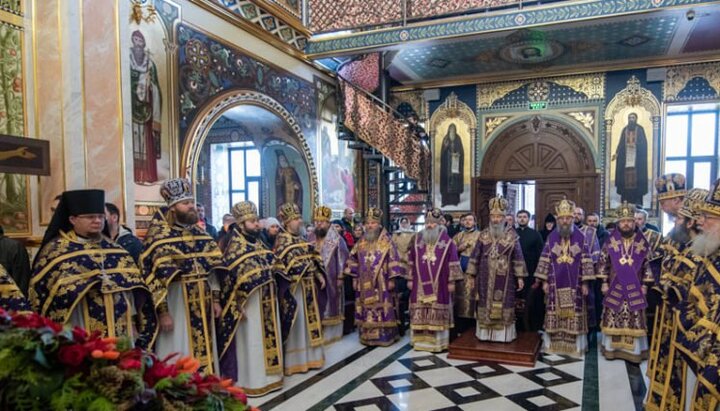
x=531, y=243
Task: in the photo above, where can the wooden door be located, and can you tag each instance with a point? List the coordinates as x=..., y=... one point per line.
x=581, y=190
x=483, y=190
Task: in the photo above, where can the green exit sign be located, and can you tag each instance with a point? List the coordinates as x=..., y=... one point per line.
x=538, y=105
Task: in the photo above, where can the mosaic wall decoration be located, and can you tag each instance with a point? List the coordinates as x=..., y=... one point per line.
x=208, y=67
x=14, y=188
x=329, y=15
x=432, y=8
x=292, y=6
x=265, y=20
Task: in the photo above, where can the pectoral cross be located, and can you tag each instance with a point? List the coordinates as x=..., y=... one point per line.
x=103, y=274
x=626, y=260
x=369, y=258
x=429, y=257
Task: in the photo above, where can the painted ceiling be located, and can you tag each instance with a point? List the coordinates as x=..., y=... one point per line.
x=578, y=37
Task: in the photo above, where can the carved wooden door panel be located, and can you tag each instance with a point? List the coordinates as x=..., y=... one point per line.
x=483, y=190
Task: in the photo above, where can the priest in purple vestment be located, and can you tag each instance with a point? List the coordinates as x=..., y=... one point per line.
x=334, y=253
x=565, y=268
x=496, y=263
x=374, y=264
x=433, y=269
x=625, y=273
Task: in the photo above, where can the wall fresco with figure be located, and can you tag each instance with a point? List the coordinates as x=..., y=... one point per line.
x=14, y=192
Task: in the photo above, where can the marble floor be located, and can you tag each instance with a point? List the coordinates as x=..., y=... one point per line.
x=397, y=378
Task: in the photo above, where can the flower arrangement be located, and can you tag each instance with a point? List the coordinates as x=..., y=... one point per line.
x=44, y=365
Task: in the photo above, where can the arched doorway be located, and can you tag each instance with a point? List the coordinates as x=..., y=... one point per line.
x=546, y=150
x=249, y=128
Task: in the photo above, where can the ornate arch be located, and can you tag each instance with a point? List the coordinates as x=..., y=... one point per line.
x=586, y=136
x=203, y=122
x=514, y=152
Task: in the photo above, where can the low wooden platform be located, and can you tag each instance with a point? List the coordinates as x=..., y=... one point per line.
x=523, y=351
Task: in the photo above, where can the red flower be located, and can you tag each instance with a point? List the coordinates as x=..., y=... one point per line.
x=72, y=355
x=80, y=335
x=158, y=371
x=131, y=360
x=33, y=321
x=56, y=327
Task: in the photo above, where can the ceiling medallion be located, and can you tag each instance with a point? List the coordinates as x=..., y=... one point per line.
x=531, y=48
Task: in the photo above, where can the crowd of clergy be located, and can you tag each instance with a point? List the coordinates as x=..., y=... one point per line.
x=263, y=306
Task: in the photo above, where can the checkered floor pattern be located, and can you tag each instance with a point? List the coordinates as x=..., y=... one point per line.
x=421, y=381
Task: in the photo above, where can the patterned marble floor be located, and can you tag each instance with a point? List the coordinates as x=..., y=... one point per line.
x=398, y=378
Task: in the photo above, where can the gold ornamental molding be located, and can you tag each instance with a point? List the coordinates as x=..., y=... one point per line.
x=677, y=79
x=590, y=85
x=452, y=107
x=491, y=123
x=586, y=118
x=634, y=95
x=488, y=94
x=593, y=86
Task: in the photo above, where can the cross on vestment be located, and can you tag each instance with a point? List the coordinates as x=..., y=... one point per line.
x=370, y=257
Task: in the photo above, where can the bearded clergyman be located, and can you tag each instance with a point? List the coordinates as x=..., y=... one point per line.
x=565, y=269
x=499, y=270
x=178, y=261
x=374, y=266
x=434, y=268
x=625, y=273
x=334, y=253
x=250, y=342
x=669, y=366
x=305, y=269
x=698, y=317
x=671, y=193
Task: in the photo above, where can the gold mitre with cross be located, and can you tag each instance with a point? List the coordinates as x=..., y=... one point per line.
x=565, y=208
x=692, y=202
x=243, y=211
x=288, y=212
x=498, y=206
x=626, y=211
x=374, y=214
x=322, y=213
x=711, y=203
